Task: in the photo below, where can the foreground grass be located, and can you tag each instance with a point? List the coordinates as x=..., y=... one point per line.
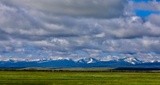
x=78, y=78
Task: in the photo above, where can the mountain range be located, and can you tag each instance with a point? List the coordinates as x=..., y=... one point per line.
x=85, y=63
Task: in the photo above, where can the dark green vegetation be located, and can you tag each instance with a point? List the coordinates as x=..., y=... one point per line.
x=78, y=78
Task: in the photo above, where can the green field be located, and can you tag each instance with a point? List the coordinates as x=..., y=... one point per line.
x=78, y=78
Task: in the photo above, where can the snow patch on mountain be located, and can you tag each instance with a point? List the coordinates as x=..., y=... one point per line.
x=132, y=60
x=88, y=60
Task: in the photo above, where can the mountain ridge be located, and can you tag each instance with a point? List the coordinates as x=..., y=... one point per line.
x=85, y=62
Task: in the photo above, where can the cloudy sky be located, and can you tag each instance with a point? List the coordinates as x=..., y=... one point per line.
x=101, y=29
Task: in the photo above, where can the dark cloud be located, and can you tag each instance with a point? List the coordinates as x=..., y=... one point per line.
x=74, y=8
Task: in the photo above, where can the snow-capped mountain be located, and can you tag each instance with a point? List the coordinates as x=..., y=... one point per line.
x=86, y=62
x=131, y=60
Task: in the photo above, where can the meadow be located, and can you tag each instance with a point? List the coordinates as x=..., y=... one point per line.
x=78, y=78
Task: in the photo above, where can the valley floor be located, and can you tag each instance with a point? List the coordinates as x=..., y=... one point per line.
x=78, y=78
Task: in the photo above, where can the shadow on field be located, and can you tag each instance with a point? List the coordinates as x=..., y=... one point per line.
x=18, y=82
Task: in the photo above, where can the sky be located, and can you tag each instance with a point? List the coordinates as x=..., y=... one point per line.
x=75, y=29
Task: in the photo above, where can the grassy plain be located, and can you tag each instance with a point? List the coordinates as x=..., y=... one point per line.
x=78, y=78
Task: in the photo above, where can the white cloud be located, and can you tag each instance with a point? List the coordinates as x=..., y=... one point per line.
x=151, y=5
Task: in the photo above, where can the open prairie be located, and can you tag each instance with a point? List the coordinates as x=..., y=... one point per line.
x=78, y=78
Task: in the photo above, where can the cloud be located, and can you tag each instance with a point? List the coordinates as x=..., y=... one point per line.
x=74, y=8
x=152, y=5
x=37, y=29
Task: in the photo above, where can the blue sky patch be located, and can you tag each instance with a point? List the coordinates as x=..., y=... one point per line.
x=145, y=13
